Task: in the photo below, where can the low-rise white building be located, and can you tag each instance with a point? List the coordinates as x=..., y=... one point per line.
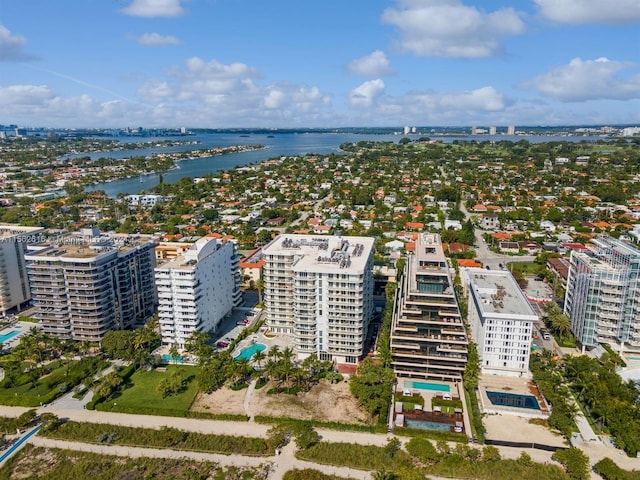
x=501, y=321
x=197, y=289
x=144, y=200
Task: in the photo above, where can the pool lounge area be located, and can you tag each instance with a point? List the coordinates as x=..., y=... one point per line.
x=505, y=399
x=6, y=336
x=434, y=387
x=166, y=358
x=248, y=352
x=512, y=396
x=427, y=425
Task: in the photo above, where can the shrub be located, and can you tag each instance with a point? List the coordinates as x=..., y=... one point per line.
x=422, y=449
x=575, y=461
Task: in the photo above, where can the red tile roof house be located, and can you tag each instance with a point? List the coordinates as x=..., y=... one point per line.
x=480, y=208
x=320, y=229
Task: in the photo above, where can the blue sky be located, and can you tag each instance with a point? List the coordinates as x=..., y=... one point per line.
x=329, y=63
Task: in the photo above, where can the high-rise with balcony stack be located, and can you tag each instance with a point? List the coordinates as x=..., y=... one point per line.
x=319, y=291
x=197, y=289
x=14, y=282
x=603, y=294
x=428, y=337
x=87, y=283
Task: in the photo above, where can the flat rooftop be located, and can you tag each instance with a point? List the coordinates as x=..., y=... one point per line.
x=497, y=292
x=323, y=254
x=82, y=247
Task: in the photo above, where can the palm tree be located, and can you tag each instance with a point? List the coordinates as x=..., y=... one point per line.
x=173, y=352
x=274, y=352
x=258, y=358
x=271, y=368
x=260, y=288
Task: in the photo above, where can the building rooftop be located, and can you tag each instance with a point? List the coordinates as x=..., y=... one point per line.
x=9, y=231
x=87, y=244
x=498, y=293
x=189, y=258
x=325, y=254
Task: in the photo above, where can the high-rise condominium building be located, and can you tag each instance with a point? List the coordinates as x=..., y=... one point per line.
x=87, y=283
x=501, y=321
x=428, y=337
x=603, y=294
x=319, y=290
x=197, y=289
x=14, y=282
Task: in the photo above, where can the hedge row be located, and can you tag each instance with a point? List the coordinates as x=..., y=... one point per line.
x=343, y=427
x=166, y=437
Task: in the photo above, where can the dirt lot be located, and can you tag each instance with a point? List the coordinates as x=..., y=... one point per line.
x=324, y=402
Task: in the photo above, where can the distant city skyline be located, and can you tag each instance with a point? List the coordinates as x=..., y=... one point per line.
x=292, y=64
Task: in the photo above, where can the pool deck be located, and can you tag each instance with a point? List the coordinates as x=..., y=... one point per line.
x=514, y=385
x=22, y=327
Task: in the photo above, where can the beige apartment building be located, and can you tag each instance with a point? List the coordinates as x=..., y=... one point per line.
x=87, y=283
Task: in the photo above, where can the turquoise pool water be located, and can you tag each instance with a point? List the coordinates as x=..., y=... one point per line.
x=436, y=387
x=250, y=351
x=8, y=336
x=169, y=359
x=424, y=425
x=635, y=359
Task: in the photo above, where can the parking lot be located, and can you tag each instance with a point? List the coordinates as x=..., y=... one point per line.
x=230, y=328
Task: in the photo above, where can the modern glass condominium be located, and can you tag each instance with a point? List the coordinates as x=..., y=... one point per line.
x=603, y=294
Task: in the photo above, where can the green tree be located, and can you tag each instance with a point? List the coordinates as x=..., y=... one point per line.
x=575, y=462
x=372, y=386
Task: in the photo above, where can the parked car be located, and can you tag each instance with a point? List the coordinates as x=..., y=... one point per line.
x=222, y=344
x=244, y=321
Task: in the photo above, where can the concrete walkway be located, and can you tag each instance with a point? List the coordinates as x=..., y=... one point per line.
x=247, y=399
x=280, y=463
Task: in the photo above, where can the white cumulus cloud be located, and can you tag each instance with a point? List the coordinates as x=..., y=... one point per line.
x=154, y=8
x=24, y=96
x=12, y=46
x=582, y=80
x=590, y=11
x=448, y=28
x=365, y=95
x=373, y=65
x=154, y=39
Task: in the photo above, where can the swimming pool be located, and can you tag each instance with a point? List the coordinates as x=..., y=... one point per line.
x=634, y=359
x=425, y=425
x=513, y=400
x=8, y=336
x=436, y=387
x=250, y=351
x=168, y=358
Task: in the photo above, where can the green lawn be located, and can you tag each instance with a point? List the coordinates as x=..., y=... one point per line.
x=141, y=396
